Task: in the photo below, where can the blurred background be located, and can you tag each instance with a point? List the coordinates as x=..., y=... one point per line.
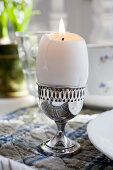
x=34, y=16
x=92, y=19
x=77, y=15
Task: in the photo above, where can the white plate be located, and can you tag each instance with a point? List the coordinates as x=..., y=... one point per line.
x=99, y=101
x=100, y=132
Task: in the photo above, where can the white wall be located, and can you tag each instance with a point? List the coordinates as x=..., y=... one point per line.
x=79, y=14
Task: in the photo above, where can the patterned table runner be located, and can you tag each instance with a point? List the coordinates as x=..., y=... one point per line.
x=21, y=131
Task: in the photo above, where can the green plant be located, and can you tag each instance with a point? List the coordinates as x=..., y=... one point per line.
x=3, y=19
x=18, y=12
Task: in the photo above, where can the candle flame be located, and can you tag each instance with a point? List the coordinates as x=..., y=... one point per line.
x=61, y=27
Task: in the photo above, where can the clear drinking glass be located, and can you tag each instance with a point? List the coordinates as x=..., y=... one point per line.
x=28, y=43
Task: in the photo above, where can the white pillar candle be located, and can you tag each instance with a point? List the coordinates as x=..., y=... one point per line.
x=62, y=60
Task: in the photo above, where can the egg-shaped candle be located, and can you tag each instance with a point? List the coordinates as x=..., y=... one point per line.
x=62, y=60
x=62, y=73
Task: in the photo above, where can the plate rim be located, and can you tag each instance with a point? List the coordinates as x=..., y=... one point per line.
x=90, y=136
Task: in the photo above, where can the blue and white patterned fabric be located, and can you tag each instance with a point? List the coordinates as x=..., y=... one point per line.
x=19, y=139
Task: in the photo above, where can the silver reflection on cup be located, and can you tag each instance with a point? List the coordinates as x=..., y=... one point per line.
x=60, y=104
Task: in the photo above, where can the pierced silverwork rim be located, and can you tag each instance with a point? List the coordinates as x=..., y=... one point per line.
x=60, y=94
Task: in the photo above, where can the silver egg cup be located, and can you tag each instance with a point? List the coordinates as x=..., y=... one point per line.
x=60, y=104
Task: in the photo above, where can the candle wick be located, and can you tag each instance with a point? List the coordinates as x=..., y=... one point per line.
x=62, y=39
